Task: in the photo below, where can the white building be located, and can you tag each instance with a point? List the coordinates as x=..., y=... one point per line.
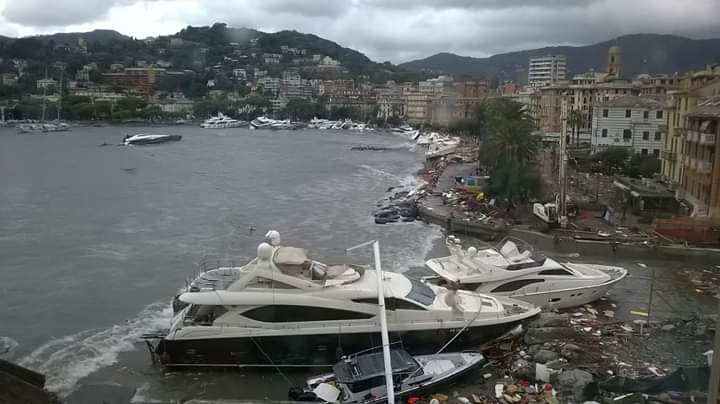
x=240, y=74
x=45, y=83
x=629, y=121
x=546, y=70
x=437, y=86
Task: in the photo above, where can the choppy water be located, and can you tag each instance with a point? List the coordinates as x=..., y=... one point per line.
x=94, y=241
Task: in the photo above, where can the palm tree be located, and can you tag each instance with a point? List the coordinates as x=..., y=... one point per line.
x=576, y=120
x=507, y=134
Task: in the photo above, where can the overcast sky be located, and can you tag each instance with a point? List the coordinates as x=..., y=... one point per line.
x=395, y=30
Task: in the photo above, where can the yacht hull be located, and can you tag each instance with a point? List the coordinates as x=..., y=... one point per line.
x=315, y=350
x=560, y=298
x=165, y=139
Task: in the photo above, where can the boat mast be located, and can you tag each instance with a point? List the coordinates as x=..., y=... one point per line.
x=42, y=117
x=383, y=319
x=383, y=325
x=59, y=103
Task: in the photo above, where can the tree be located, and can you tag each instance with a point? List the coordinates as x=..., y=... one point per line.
x=130, y=104
x=644, y=165
x=576, y=120
x=508, y=147
x=612, y=158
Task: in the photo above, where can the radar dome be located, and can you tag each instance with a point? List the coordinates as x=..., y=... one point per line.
x=264, y=251
x=472, y=251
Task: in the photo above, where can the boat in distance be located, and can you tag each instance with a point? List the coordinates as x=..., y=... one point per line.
x=143, y=139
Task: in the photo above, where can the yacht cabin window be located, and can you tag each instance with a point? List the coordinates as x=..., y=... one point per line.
x=421, y=293
x=515, y=285
x=392, y=303
x=558, y=271
x=292, y=314
x=204, y=314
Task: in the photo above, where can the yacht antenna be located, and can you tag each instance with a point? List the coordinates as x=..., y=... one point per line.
x=383, y=319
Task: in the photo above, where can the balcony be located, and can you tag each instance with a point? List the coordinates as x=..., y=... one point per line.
x=707, y=139
x=668, y=155
x=704, y=167
x=693, y=136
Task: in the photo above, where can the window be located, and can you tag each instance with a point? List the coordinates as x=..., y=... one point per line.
x=658, y=136
x=286, y=314
x=605, y=113
x=659, y=114
x=644, y=151
x=656, y=152
x=604, y=133
x=627, y=134
x=392, y=303
x=555, y=272
x=628, y=113
x=646, y=114
x=515, y=285
x=646, y=135
x=421, y=293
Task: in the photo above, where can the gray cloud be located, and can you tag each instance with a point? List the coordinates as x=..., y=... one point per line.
x=475, y=4
x=396, y=30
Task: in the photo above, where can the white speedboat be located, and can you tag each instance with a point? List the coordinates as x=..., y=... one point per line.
x=142, y=139
x=513, y=269
x=283, y=308
x=221, y=122
x=361, y=379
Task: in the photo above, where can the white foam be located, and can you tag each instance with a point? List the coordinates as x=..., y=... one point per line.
x=417, y=244
x=66, y=360
x=7, y=346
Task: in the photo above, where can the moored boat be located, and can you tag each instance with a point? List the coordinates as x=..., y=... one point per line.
x=222, y=122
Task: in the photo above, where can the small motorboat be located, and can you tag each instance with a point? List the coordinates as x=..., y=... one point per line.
x=360, y=378
x=141, y=139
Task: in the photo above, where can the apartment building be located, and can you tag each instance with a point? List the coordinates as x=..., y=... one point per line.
x=546, y=70
x=629, y=121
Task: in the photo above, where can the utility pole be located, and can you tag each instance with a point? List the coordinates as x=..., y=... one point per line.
x=562, y=175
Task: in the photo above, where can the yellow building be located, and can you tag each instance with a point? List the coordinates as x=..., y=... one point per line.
x=417, y=108
x=694, y=86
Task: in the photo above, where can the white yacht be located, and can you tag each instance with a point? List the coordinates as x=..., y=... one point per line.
x=513, y=269
x=221, y=122
x=261, y=122
x=283, y=308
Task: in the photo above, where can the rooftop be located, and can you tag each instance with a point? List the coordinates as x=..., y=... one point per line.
x=708, y=107
x=644, y=188
x=634, y=101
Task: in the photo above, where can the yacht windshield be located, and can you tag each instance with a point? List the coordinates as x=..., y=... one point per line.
x=421, y=293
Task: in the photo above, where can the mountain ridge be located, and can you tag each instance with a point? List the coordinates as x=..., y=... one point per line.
x=642, y=53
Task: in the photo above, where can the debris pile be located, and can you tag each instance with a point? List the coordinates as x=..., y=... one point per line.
x=401, y=206
x=586, y=354
x=706, y=281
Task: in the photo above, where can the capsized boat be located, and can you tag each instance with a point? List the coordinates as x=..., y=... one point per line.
x=283, y=308
x=142, y=139
x=360, y=378
x=515, y=270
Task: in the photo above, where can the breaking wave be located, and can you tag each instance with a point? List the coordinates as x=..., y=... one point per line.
x=66, y=360
x=409, y=181
x=7, y=347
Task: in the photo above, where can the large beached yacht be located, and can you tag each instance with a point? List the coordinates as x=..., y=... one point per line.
x=283, y=308
x=515, y=270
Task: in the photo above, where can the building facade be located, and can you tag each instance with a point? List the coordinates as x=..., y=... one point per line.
x=630, y=121
x=701, y=180
x=546, y=70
